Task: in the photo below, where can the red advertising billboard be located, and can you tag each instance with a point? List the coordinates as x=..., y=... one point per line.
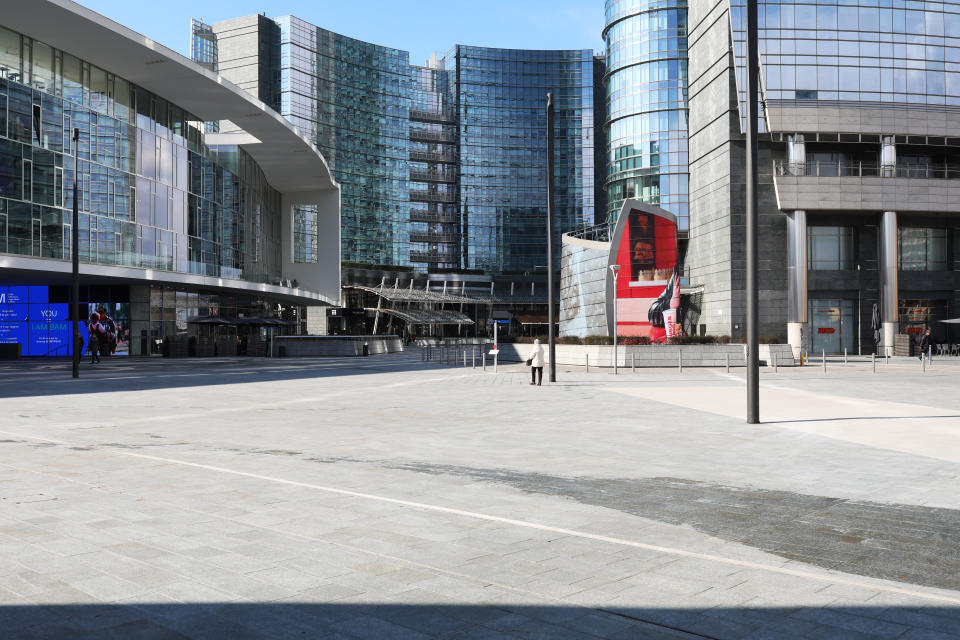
x=644, y=245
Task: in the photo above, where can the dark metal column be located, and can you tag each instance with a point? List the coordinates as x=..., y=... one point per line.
x=753, y=361
x=75, y=242
x=551, y=320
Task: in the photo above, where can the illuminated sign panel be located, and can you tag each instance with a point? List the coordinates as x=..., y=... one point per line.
x=648, y=292
x=27, y=317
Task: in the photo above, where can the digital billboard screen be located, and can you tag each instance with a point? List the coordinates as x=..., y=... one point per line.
x=28, y=317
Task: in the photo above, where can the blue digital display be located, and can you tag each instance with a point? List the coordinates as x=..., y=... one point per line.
x=27, y=317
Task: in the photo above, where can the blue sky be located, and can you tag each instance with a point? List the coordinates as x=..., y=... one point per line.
x=417, y=26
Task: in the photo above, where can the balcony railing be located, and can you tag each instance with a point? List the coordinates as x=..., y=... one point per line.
x=432, y=156
x=431, y=236
x=431, y=257
x=422, y=215
x=825, y=169
x=432, y=115
x=432, y=136
x=416, y=195
x=433, y=176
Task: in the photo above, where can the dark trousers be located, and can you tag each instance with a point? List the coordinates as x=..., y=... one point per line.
x=536, y=375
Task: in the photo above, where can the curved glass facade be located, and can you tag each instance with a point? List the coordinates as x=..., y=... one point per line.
x=646, y=85
x=502, y=132
x=353, y=100
x=152, y=193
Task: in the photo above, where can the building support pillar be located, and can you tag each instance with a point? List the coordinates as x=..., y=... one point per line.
x=797, y=307
x=889, y=301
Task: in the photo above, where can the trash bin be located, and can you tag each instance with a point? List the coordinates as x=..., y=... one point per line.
x=366, y=349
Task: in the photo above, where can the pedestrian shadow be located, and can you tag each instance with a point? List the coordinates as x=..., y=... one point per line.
x=279, y=621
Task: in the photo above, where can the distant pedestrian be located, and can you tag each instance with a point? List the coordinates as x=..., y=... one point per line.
x=95, y=329
x=535, y=360
x=925, y=343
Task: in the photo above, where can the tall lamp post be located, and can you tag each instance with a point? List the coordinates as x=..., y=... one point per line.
x=615, y=270
x=75, y=242
x=753, y=317
x=551, y=329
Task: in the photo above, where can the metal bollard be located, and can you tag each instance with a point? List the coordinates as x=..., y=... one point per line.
x=680, y=361
x=483, y=359
x=923, y=360
x=873, y=361
x=775, y=369
x=844, y=355
x=930, y=356
x=633, y=363
x=728, y=362
x=464, y=357
x=588, y=362
x=823, y=356
x=473, y=358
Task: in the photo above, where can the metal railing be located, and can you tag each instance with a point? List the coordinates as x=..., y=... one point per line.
x=432, y=115
x=433, y=176
x=431, y=257
x=423, y=215
x=432, y=136
x=416, y=195
x=432, y=156
x=828, y=169
x=430, y=236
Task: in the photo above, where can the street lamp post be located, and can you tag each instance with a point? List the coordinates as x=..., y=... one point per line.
x=752, y=309
x=75, y=242
x=551, y=320
x=615, y=270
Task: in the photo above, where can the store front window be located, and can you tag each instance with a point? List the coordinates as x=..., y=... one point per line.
x=833, y=326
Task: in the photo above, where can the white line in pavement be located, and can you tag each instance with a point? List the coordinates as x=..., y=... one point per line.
x=829, y=578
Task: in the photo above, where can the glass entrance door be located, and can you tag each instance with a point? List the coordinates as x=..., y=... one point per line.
x=832, y=326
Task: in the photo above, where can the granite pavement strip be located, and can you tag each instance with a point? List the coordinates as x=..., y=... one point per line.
x=342, y=498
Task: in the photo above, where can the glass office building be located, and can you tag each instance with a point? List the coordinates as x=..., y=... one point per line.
x=646, y=85
x=501, y=119
x=161, y=202
x=353, y=99
x=442, y=166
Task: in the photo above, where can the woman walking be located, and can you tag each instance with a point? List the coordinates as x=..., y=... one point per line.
x=535, y=360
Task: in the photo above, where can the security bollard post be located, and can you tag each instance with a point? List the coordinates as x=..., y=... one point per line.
x=633, y=363
x=588, y=362
x=844, y=355
x=873, y=361
x=483, y=360
x=823, y=356
x=473, y=358
x=464, y=357
x=728, y=362
x=775, y=370
x=680, y=361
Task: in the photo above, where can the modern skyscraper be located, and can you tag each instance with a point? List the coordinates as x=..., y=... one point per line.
x=442, y=166
x=646, y=89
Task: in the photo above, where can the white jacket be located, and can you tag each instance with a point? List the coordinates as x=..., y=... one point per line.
x=536, y=355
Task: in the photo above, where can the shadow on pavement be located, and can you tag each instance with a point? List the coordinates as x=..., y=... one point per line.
x=240, y=621
x=53, y=377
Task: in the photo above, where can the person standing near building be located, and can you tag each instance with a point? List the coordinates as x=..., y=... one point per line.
x=925, y=343
x=535, y=360
x=95, y=329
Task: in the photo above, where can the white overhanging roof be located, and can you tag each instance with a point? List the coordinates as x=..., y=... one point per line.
x=289, y=160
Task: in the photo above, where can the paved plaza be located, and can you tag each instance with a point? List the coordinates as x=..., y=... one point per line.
x=387, y=497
